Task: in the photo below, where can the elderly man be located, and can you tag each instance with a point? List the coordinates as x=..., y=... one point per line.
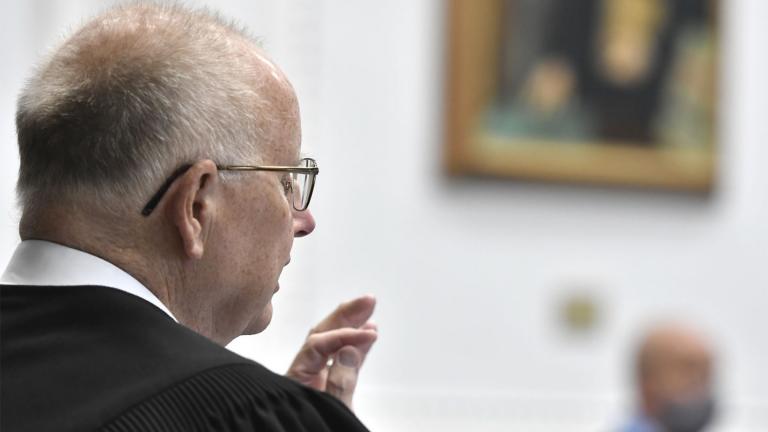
x=161, y=188
x=674, y=381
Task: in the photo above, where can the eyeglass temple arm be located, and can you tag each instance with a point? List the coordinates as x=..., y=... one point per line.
x=155, y=200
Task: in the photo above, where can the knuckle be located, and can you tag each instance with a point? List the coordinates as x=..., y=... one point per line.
x=313, y=340
x=342, y=380
x=341, y=386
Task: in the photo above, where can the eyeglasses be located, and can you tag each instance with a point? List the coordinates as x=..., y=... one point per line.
x=298, y=187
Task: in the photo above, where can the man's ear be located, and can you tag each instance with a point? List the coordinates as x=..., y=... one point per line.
x=191, y=206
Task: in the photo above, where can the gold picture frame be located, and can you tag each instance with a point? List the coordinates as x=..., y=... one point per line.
x=475, y=40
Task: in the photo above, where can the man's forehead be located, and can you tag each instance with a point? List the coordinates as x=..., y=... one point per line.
x=279, y=119
x=269, y=72
x=285, y=150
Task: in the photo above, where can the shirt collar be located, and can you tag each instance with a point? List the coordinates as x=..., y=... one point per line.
x=39, y=262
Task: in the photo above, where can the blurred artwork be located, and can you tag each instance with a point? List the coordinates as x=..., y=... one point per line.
x=597, y=91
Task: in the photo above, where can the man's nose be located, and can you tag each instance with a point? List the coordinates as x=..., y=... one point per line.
x=303, y=223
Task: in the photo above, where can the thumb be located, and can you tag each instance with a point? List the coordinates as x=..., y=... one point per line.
x=342, y=376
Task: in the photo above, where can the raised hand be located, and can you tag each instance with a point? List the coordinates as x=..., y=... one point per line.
x=335, y=349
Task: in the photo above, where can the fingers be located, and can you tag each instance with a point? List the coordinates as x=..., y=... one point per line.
x=342, y=376
x=367, y=347
x=312, y=359
x=370, y=325
x=345, y=336
x=352, y=314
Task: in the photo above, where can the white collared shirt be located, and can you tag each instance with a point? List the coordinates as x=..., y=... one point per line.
x=39, y=262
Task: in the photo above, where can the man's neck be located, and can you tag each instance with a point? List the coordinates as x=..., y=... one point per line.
x=147, y=257
x=123, y=246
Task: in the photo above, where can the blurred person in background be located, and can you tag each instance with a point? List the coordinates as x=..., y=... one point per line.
x=674, y=378
x=161, y=188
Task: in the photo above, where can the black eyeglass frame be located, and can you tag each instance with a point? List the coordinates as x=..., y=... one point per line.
x=310, y=170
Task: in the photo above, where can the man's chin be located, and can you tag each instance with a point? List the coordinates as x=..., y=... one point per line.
x=258, y=324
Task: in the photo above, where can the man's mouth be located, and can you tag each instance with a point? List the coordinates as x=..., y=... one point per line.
x=277, y=288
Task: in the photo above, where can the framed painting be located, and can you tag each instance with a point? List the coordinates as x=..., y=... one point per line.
x=617, y=92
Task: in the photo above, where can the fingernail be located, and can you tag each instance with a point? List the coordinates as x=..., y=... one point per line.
x=349, y=359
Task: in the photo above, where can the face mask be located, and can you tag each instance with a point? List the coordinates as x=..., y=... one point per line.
x=687, y=416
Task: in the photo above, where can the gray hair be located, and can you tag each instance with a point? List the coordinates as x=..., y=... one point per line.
x=127, y=99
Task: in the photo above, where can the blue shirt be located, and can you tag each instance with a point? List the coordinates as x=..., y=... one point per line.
x=641, y=423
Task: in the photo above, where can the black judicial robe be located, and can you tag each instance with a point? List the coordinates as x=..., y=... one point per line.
x=88, y=358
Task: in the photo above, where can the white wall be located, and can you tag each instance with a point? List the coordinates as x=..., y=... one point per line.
x=468, y=273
